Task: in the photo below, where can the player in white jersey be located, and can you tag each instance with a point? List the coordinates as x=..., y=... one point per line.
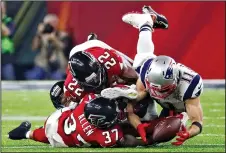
x=172, y=85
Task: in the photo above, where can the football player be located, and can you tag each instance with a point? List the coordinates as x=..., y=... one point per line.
x=93, y=123
x=94, y=65
x=174, y=86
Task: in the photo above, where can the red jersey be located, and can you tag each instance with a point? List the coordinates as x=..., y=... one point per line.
x=109, y=59
x=75, y=130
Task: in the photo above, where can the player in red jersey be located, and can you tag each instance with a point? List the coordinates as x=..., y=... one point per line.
x=94, y=122
x=95, y=65
x=91, y=123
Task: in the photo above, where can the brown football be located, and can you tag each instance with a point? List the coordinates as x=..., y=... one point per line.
x=166, y=129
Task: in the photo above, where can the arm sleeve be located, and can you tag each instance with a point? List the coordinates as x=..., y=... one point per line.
x=194, y=89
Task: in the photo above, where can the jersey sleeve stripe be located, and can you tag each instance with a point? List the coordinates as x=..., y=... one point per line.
x=144, y=69
x=138, y=69
x=191, y=87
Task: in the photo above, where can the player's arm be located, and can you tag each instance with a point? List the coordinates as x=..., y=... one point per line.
x=193, y=106
x=193, y=109
x=134, y=120
x=195, y=114
x=141, y=91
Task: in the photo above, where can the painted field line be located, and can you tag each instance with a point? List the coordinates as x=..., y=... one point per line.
x=23, y=118
x=27, y=147
x=213, y=125
x=214, y=104
x=212, y=135
x=216, y=110
x=15, y=125
x=214, y=118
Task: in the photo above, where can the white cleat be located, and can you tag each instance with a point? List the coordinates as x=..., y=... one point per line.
x=116, y=92
x=137, y=19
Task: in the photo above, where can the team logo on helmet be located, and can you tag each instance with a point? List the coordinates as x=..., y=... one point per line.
x=169, y=71
x=96, y=119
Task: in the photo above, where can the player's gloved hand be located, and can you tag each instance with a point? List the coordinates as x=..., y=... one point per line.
x=142, y=132
x=183, y=135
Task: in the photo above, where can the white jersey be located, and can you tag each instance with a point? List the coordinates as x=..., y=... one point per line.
x=189, y=85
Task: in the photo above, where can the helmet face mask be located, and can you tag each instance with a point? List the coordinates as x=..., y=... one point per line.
x=98, y=83
x=101, y=112
x=89, y=73
x=161, y=79
x=161, y=92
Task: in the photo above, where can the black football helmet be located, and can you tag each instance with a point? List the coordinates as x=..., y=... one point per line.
x=56, y=94
x=89, y=73
x=101, y=112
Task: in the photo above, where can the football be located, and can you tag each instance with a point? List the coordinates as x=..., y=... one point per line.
x=166, y=129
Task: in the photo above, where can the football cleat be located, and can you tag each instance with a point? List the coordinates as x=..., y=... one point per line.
x=137, y=19
x=92, y=36
x=20, y=132
x=160, y=21
x=113, y=93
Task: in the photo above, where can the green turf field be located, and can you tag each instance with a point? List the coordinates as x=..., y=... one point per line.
x=35, y=105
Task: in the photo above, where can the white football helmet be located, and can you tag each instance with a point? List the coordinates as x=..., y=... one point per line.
x=161, y=77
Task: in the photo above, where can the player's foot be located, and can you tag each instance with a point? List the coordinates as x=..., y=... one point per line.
x=137, y=19
x=20, y=132
x=160, y=21
x=112, y=93
x=92, y=36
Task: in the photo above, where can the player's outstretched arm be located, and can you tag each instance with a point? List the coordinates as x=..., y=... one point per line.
x=134, y=120
x=195, y=114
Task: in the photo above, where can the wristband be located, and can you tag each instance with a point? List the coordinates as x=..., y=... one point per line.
x=198, y=124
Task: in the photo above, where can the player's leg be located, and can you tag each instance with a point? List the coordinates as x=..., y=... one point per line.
x=51, y=128
x=145, y=45
x=38, y=135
